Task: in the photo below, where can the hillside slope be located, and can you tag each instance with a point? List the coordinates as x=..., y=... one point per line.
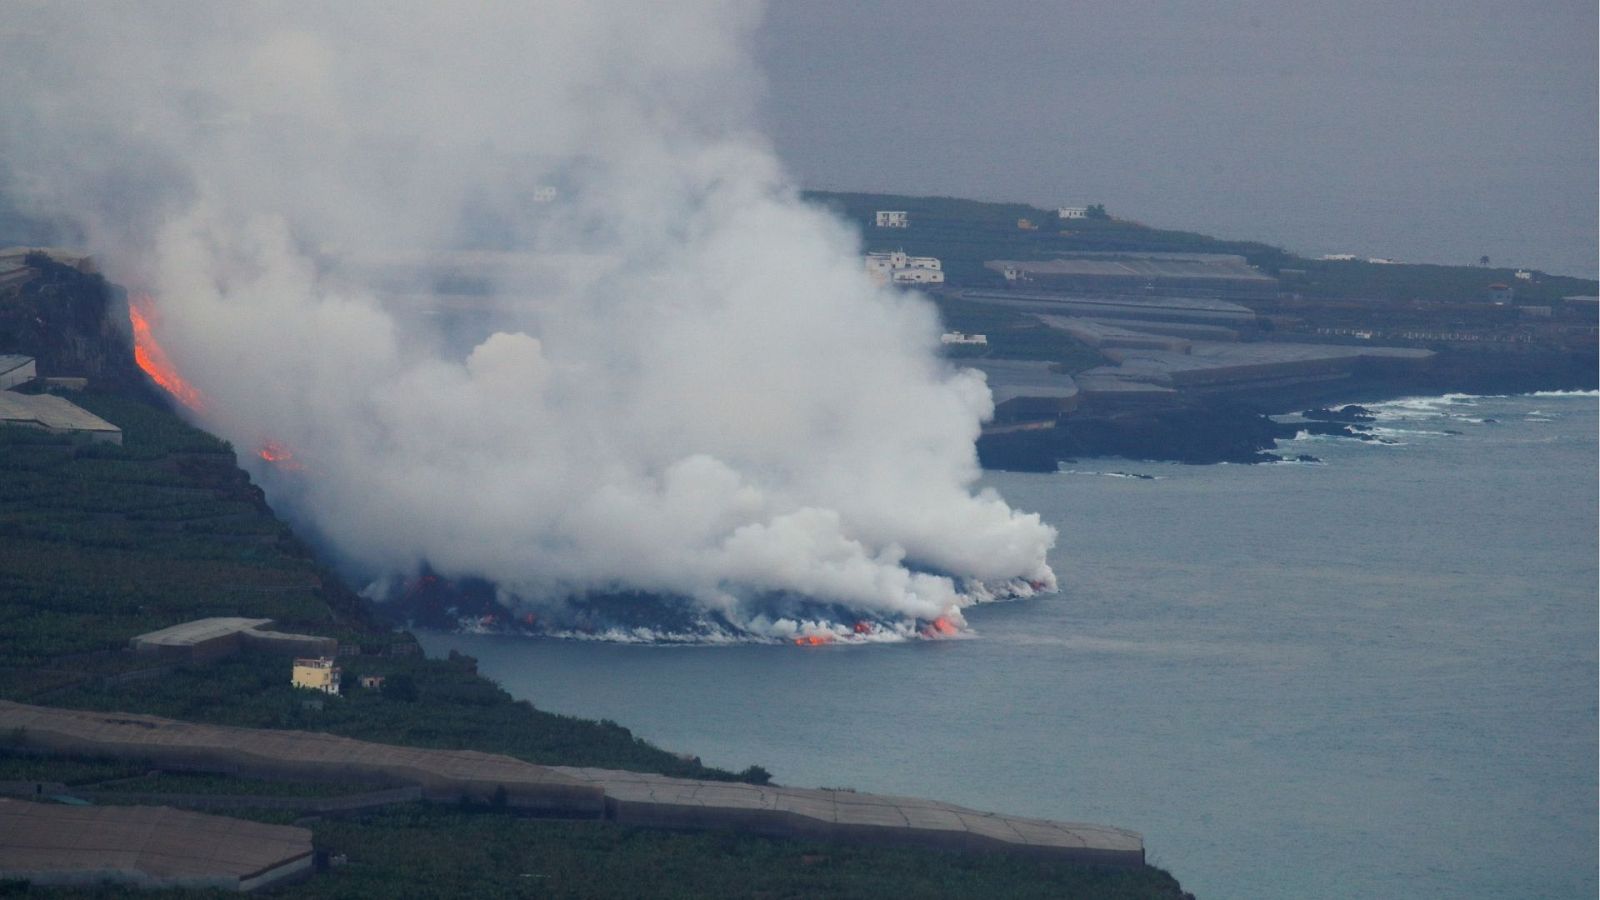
x=99, y=543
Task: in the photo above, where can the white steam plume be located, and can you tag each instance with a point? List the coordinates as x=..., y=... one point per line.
x=681, y=381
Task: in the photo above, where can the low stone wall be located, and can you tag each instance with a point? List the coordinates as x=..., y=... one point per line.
x=308, y=805
x=628, y=798
x=634, y=798
x=447, y=775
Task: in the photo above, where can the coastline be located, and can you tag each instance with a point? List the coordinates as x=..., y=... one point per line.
x=1240, y=428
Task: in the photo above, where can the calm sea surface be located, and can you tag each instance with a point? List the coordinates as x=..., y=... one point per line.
x=1374, y=677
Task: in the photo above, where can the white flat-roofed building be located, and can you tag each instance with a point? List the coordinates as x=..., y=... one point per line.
x=959, y=337
x=893, y=218
x=56, y=415
x=204, y=640
x=1073, y=212
x=15, y=370
x=896, y=267
x=201, y=640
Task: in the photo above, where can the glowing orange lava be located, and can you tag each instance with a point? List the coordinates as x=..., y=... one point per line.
x=944, y=626
x=280, y=456
x=812, y=640
x=153, y=360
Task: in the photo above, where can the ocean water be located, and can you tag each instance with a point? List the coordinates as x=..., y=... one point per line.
x=1370, y=677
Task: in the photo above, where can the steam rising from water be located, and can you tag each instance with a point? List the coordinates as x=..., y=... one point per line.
x=674, y=378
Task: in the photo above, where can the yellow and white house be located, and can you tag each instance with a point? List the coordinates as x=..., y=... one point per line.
x=318, y=674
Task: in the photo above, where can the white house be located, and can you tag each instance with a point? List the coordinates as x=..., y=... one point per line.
x=897, y=268
x=957, y=337
x=1073, y=212
x=892, y=218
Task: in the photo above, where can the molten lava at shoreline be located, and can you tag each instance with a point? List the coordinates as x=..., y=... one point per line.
x=153, y=360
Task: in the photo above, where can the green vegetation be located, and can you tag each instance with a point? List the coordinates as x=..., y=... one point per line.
x=419, y=850
x=966, y=233
x=1013, y=335
x=88, y=776
x=199, y=783
x=1398, y=282
x=65, y=771
x=490, y=855
x=99, y=543
x=454, y=709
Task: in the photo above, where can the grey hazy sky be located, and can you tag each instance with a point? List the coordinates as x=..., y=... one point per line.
x=1425, y=131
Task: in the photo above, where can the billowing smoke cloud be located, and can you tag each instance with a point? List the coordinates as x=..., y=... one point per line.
x=673, y=377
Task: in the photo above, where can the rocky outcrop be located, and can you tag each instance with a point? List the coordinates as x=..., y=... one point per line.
x=74, y=323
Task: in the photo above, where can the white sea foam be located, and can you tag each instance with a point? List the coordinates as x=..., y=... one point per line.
x=1385, y=431
x=1589, y=394
x=1129, y=475
x=1445, y=405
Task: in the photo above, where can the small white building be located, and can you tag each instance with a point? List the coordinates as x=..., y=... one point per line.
x=1338, y=257
x=1073, y=212
x=1523, y=274
x=957, y=337
x=896, y=267
x=893, y=218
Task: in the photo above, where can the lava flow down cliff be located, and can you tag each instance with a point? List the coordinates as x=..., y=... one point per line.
x=522, y=295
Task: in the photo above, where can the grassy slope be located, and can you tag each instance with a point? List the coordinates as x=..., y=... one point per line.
x=965, y=233
x=100, y=543
x=430, y=851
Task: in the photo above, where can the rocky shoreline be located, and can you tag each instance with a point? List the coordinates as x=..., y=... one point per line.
x=1240, y=428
